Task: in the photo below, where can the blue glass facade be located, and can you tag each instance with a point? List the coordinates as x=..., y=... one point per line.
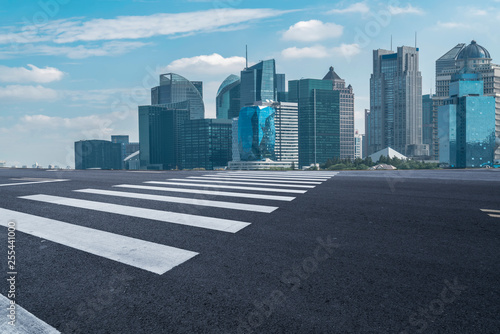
x=256, y=133
x=258, y=83
x=174, y=88
x=466, y=124
x=228, y=98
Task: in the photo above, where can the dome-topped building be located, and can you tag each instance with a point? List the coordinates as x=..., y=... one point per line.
x=474, y=51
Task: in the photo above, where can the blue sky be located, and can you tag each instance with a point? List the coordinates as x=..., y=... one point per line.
x=72, y=70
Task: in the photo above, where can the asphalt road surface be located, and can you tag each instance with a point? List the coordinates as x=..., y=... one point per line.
x=250, y=252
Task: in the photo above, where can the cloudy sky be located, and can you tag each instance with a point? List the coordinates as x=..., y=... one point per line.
x=72, y=70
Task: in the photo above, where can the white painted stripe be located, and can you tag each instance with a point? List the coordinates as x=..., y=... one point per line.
x=494, y=216
x=271, y=177
x=183, y=200
x=308, y=175
x=229, y=178
x=24, y=183
x=141, y=254
x=26, y=323
x=227, y=187
x=286, y=177
x=489, y=210
x=245, y=183
x=217, y=224
x=209, y=192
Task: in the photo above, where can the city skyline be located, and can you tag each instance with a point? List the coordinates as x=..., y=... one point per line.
x=85, y=82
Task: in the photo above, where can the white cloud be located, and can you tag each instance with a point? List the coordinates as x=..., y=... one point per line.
x=409, y=9
x=317, y=51
x=21, y=93
x=347, y=50
x=112, y=48
x=135, y=27
x=452, y=25
x=33, y=74
x=359, y=7
x=313, y=30
x=207, y=64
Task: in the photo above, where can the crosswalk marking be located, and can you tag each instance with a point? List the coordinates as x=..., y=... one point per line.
x=245, y=183
x=209, y=192
x=494, y=216
x=183, y=200
x=277, y=175
x=269, y=177
x=34, y=182
x=229, y=178
x=225, y=225
x=294, y=191
x=489, y=210
x=27, y=323
x=141, y=254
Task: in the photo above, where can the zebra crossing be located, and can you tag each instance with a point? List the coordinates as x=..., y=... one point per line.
x=492, y=213
x=220, y=190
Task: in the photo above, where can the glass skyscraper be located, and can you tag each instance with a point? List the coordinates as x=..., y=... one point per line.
x=346, y=114
x=258, y=83
x=256, y=133
x=319, y=119
x=174, y=88
x=206, y=143
x=101, y=154
x=466, y=123
x=159, y=135
x=475, y=59
x=228, y=98
x=395, y=118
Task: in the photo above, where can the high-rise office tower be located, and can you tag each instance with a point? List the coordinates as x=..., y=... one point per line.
x=466, y=123
x=346, y=114
x=358, y=145
x=228, y=98
x=174, y=88
x=396, y=103
x=280, y=83
x=256, y=133
x=101, y=154
x=286, y=123
x=159, y=135
x=427, y=120
x=206, y=143
x=258, y=83
x=472, y=58
x=319, y=119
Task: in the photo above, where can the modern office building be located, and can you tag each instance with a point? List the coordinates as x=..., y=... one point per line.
x=258, y=83
x=228, y=98
x=206, y=143
x=358, y=145
x=127, y=147
x=174, y=88
x=346, y=114
x=319, y=120
x=472, y=58
x=395, y=118
x=234, y=145
x=280, y=83
x=256, y=133
x=427, y=120
x=98, y=154
x=159, y=135
x=286, y=122
x=466, y=123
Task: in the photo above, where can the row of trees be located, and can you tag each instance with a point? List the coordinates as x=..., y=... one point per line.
x=361, y=164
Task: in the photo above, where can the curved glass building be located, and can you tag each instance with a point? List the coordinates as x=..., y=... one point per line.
x=228, y=98
x=256, y=133
x=174, y=88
